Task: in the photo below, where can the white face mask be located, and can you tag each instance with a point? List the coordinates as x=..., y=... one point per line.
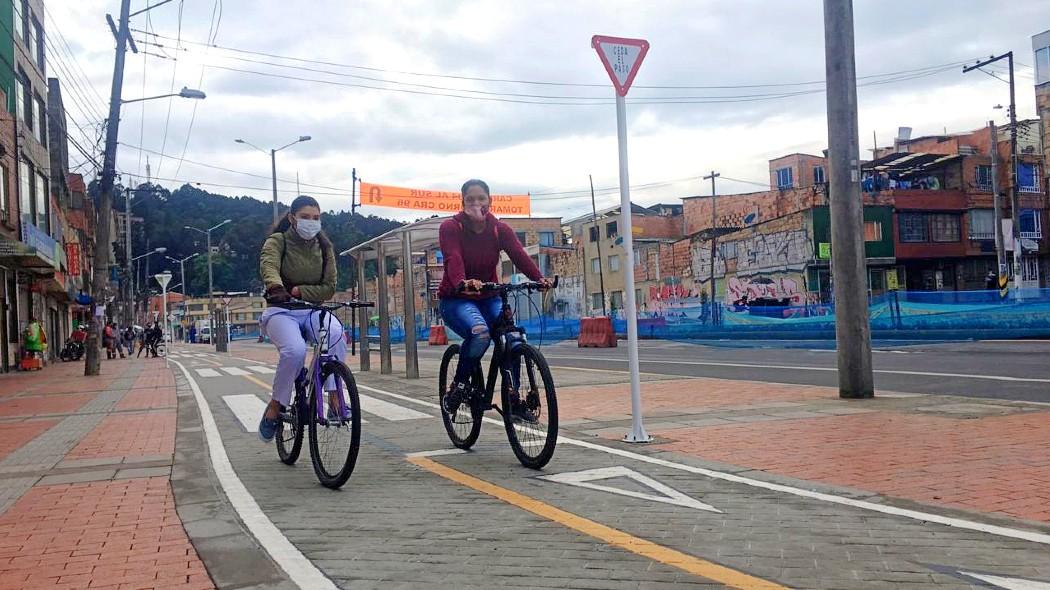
x=308, y=228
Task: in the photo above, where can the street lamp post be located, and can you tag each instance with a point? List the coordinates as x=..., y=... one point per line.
x=164, y=278
x=182, y=269
x=273, y=165
x=134, y=292
x=211, y=290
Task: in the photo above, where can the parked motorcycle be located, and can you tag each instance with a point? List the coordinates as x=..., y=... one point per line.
x=72, y=351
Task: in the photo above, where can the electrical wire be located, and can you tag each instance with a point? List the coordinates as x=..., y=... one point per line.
x=171, y=89
x=213, y=33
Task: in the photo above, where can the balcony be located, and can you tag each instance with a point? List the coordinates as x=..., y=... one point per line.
x=979, y=236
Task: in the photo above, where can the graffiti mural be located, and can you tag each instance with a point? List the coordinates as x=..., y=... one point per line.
x=781, y=251
x=700, y=254
x=741, y=290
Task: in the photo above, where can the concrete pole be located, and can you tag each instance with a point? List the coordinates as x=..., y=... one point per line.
x=212, y=340
x=129, y=297
x=363, y=314
x=1000, y=250
x=100, y=270
x=714, y=239
x=598, y=245
x=852, y=327
x=1015, y=204
x=409, y=284
x=385, y=366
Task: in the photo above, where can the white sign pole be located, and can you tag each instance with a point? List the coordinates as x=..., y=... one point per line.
x=638, y=433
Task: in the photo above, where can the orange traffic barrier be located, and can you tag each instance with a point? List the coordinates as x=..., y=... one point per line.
x=596, y=332
x=438, y=337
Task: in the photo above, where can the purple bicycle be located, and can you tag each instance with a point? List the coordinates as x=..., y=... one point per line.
x=326, y=403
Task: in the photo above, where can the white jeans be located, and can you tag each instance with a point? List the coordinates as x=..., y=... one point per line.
x=289, y=329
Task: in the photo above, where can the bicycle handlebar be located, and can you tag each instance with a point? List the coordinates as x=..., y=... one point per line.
x=489, y=287
x=332, y=305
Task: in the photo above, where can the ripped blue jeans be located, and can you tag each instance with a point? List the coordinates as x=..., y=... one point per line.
x=472, y=320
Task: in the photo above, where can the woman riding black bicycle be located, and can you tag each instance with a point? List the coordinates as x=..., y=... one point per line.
x=471, y=243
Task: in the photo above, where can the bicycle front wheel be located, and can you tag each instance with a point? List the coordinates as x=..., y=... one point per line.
x=335, y=431
x=530, y=406
x=463, y=423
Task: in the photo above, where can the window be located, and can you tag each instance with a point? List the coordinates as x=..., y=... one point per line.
x=43, y=200
x=818, y=175
x=1042, y=66
x=3, y=192
x=872, y=231
x=610, y=230
x=1027, y=177
x=944, y=227
x=508, y=268
x=1029, y=268
x=913, y=227
x=19, y=96
x=983, y=178
x=25, y=190
x=614, y=263
x=982, y=224
x=637, y=296
x=593, y=233
x=546, y=238
x=1031, y=224
x=784, y=178
x=521, y=237
x=596, y=300
x=15, y=24
x=40, y=127
x=39, y=46
x=616, y=300
x=27, y=32
x=596, y=265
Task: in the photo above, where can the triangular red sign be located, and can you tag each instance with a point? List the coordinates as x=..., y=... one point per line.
x=621, y=58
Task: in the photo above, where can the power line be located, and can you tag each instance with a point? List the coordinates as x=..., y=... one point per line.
x=171, y=89
x=213, y=33
x=72, y=56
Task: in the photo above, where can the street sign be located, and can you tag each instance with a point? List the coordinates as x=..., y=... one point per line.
x=225, y=300
x=171, y=317
x=621, y=58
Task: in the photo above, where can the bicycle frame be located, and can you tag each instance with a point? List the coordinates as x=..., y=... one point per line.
x=504, y=325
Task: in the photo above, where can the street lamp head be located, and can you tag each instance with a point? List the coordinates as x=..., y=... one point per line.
x=227, y=221
x=160, y=250
x=238, y=141
x=192, y=93
x=305, y=138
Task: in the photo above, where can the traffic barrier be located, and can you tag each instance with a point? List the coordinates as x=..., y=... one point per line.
x=437, y=336
x=596, y=332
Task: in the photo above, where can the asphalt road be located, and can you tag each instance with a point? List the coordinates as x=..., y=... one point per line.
x=1009, y=370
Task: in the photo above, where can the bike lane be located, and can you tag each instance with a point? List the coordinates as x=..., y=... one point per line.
x=625, y=518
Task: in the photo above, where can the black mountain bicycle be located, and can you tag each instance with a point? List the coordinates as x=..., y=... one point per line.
x=326, y=403
x=529, y=406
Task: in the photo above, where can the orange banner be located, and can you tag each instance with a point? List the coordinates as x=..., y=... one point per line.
x=439, y=201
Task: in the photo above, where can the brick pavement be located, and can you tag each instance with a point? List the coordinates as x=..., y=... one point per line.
x=983, y=455
x=92, y=506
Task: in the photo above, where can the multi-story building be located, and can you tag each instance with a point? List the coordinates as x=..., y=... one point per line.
x=244, y=310
x=12, y=251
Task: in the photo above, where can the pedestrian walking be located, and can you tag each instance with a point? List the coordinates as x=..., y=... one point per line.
x=142, y=342
x=128, y=338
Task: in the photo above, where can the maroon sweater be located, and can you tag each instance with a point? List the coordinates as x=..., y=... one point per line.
x=470, y=255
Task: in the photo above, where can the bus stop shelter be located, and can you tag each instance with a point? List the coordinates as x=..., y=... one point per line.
x=406, y=242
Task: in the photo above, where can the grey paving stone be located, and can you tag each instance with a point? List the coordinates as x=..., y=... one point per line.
x=81, y=476
x=143, y=472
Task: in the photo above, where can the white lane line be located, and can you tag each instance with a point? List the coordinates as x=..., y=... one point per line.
x=208, y=373
x=385, y=409
x=774, y=487
x=805, y=368
x=302, y=572
x=261, y=369
x=248, y=408
x=236, y=371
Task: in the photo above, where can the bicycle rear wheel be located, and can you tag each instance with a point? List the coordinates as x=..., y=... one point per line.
x=289, y=436
x=464, y=425
x=335, y=438
x=530, y=407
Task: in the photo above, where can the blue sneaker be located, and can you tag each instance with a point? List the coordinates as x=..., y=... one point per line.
x=267, y=428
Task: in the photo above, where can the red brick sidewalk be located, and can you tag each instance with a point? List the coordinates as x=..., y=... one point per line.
x=987, y=456
x=94, y=519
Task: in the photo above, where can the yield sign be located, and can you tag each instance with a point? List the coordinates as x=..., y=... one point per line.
x=666, y=494
x=621, y=58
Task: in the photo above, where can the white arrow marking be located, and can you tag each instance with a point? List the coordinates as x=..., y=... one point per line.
x=669, y=495
x=1008, y=583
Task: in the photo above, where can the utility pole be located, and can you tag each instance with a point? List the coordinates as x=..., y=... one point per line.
x=353, y=191
x=100, y=272
x=1015, y=210
x=273, y=171
x=598, y=241
x=128, y=303
x=997, y=199
x=852, y=327
x=714, y=246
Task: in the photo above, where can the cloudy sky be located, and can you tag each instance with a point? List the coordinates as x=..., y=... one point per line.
x=428, y=93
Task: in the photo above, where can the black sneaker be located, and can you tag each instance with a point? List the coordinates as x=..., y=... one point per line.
x=455, y=397
x=520, y=409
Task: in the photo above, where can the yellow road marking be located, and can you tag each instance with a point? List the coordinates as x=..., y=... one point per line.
x=258, y=382
x=683, y=561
